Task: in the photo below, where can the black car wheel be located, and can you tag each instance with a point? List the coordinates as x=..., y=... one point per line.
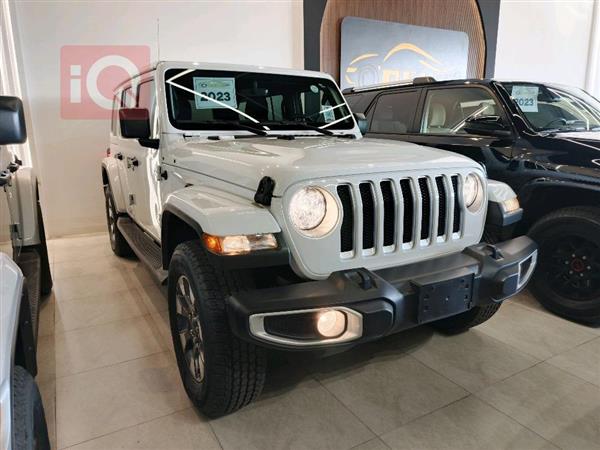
x=567, y=279
x=29, y=422
x=119, y=245
x=220, y=372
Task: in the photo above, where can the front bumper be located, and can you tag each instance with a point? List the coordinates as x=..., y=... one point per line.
x=383, y=302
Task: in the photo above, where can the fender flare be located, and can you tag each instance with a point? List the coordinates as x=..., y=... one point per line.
x=528, y=189
x=208, y=210
x=220, y=213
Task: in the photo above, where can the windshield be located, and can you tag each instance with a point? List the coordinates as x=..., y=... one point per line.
x=549, y=108
x=228, y=100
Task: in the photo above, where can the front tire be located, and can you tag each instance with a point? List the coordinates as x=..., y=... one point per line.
x=220, y=372
x=567, y=278
x=118, y=243
x=29, y=422
x=469, y=319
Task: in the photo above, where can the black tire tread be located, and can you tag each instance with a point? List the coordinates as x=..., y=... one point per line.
x=240, y=366
x=25, y=399
x=590, y=214
x=121, y=247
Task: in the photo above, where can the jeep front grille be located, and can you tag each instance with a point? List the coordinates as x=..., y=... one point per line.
x=390, y=215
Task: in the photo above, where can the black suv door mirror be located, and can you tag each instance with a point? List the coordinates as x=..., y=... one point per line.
x=12, y=121
x=487, y=126
x=135, y=123
x=362, y=123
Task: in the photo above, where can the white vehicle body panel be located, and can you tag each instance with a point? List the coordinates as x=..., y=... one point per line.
x=214, y=181
x=222, y=214
x=11, y=286
x=244, y=162
x=499, y=192
x=21, y=196
x=25, y=183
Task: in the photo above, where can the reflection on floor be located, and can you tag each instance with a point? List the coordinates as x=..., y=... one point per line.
x=524, y=380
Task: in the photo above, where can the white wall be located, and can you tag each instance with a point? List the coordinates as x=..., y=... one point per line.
x=69, y=151
x=548, y=40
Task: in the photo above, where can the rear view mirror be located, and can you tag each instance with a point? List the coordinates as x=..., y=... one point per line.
x=135, y=123
x=12, y=121
x=362, y=123
x=487, y=126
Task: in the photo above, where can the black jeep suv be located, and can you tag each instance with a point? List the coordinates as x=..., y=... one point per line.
x=541, y=139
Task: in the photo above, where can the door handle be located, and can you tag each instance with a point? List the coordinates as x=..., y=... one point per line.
x=119, y=156
x=132, y=162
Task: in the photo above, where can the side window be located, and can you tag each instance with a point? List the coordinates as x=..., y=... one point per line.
x=353, y=101
x=115, y=115
x=447, y=110
x=394, y=112
x=146, y=99
x=128, y=98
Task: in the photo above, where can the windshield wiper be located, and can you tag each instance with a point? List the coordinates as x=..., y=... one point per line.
x=238, y=124
x=304, y=125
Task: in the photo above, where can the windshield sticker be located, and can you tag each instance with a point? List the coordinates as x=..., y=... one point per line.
x=526, y=97
x=220, y=89
x=328, y=114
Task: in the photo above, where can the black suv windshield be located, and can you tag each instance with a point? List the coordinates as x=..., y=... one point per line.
x=229, y=100
x=553, y=108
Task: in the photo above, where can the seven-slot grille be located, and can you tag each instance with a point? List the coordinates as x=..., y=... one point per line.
x=391, y=214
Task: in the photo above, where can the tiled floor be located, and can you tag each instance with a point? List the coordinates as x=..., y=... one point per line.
x=524, y=380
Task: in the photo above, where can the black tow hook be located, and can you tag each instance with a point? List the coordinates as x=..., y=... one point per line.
x=496, y=253
x=361, y=277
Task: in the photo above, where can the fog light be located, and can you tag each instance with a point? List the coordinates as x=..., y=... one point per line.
x=331, y=324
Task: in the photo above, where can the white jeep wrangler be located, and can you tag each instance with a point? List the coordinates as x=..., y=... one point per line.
x=252, y=191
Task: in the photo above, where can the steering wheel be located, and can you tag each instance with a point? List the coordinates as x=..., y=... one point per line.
x=558, y=119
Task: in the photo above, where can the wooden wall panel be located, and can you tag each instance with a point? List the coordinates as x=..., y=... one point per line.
x=460, y=15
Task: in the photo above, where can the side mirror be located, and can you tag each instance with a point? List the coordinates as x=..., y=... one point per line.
x=135, y=123
x=12, y=121
x=487, y=126
x=362, y=123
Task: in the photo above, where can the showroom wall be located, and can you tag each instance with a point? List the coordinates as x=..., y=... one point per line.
x=559, y=45
x=69, y=150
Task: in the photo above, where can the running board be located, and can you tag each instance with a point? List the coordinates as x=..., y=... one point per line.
x=144, y=247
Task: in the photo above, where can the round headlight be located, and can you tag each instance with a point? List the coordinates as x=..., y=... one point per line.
x=472, y=191
x=308, y=208
x=313, y=211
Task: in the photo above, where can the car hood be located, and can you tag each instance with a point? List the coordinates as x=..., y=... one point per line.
x=246, y=161
x=582, y=136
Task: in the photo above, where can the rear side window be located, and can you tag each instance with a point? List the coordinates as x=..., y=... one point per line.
x=128, y=98
x=146, y=99
x=115, y=116
x=394, y=113
x=446, y=110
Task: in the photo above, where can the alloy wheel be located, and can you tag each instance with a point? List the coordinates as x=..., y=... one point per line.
x=189, y=329
x=110, y=213
x=572, y=267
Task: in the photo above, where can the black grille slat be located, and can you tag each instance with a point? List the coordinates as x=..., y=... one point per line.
x=409, y=210
x=368, y=213
x=389, y=212
x=425, y=207
x=456, y=225
x=442, y=220
x=347, y=228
